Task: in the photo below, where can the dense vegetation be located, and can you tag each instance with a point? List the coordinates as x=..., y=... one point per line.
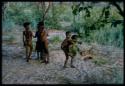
x=92, y=21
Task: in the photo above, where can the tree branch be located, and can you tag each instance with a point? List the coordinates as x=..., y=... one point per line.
x=46, y=11
x=121, y=12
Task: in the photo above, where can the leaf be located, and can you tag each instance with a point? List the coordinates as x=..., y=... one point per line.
x=85, y=8
x=80, y=9
x=72, y=7
x=90, y=7
x=74, y=11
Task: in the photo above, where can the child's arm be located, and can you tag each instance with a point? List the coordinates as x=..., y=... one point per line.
x=47, y=33
x=62, y=44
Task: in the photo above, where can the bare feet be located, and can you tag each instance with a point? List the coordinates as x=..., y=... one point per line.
x=46, y=62
x=65, y=66
x=72, y=66
x=27, y=60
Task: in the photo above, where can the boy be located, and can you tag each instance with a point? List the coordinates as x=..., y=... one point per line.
x=27, y=40
x=73, y=48
x=42, y=43
x=38, y=43
x=64, y=46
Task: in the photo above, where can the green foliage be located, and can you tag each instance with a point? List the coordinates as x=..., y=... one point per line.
x=73, y=50
x=99, y=61
x=18, y=13
x=77, y=8
x=82, y=17
x=91, y=30
x=109, y=36
x=56, y=39
x=9, y=38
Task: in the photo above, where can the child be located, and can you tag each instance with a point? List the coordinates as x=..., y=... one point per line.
x=73, y=48
x=42, y=42
x=27, y=40
x=65, y=42
x=69, y=47
x=38, y=42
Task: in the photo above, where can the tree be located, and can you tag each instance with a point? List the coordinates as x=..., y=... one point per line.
x=121, y=12
x=44, y=10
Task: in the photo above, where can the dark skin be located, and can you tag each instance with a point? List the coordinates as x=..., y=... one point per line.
x=27, y=40
x=70, y=44
x=72, y=56
x=44, y=43
x=38, y=52
x=65, y=47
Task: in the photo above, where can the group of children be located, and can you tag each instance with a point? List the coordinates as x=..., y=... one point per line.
x=41, y=44
x=68, y=45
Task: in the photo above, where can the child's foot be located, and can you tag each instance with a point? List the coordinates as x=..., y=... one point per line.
x=46, y=62
x=72, y=66
x=27, y=60
x=43, y=61
x=65, y=66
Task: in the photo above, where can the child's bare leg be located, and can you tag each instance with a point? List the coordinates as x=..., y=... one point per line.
x=30, y=51
x=27, y=54
x=65, y=63
x=42, y=57
x=72, y=58
x=37, y=55
x=47, y=55
x=46, y=52
x=48, y=58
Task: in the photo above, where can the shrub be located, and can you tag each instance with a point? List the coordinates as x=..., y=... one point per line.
x=99, y=61
x=56, y=39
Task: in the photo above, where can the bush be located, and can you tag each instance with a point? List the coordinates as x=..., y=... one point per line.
x=56, y=39
x=99, y=61
x=109, y=36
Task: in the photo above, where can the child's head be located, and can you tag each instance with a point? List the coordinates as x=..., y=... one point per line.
x=68, y=34
x=74, y=38
x=40, y=25
x=26, y=25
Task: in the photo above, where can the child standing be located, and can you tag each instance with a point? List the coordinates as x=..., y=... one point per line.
x=27, y=40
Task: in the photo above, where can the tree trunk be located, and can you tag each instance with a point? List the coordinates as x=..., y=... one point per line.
x=4, y=11
x=74, y=20
x=43, y=10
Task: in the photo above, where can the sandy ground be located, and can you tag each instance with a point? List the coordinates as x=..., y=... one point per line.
x=15, y=69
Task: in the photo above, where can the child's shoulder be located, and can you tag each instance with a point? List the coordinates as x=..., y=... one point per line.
x=66, y=39
x=70, y=39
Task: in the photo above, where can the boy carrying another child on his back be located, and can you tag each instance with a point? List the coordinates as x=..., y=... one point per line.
x=70, y=48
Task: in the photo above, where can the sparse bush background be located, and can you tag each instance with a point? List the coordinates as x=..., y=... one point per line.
x=60, y=17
